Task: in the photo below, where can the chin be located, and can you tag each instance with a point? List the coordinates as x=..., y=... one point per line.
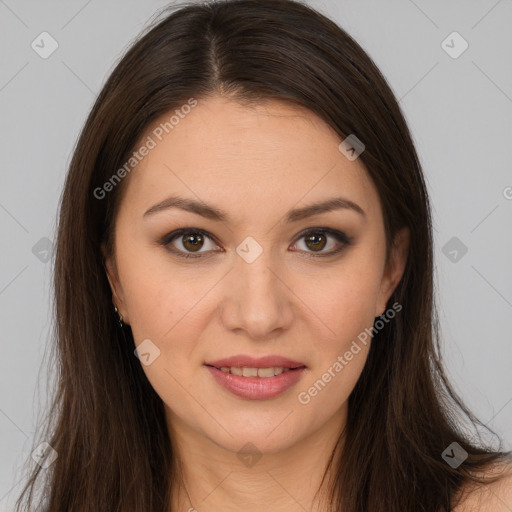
x=269, y=438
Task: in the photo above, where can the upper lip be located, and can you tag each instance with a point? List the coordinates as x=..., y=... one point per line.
x=241, y=360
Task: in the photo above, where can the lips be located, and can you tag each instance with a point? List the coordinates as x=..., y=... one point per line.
x=254, y=378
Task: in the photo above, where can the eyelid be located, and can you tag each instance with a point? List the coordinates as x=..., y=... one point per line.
x=341, y=237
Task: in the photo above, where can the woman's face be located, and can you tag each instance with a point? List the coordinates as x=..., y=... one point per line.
x=267, y=280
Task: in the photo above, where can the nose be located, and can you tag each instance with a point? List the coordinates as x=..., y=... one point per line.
x=257, y=299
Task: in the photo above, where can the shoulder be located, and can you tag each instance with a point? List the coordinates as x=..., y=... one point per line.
x=491, y=497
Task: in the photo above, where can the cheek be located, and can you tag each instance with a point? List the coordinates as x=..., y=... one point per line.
x=171, y=307
x=345, y=300
x=159, y=307
x=345, y=306
x=167, y=311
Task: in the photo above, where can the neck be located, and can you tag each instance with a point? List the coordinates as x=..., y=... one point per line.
x=213, y=478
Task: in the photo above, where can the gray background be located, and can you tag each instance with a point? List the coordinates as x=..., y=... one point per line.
x=459, y=111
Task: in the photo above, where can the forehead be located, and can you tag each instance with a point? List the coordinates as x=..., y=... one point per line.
x=257, y=158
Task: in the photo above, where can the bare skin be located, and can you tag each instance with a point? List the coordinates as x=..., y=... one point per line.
x=494, y=497
x=256, y=164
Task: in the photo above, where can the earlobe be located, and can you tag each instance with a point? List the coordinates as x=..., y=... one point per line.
x=395, y=268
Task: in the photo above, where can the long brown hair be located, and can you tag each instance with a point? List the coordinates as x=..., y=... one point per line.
x=106, y=422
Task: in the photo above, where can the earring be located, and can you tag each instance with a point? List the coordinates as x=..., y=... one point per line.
x=120, y=317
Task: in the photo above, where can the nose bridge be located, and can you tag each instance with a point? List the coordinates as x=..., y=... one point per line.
x=255, y=270
x=258, y=300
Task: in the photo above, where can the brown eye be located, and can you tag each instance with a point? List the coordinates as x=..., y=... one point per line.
x=189, y=243
x=193, y=241
x=316, y=242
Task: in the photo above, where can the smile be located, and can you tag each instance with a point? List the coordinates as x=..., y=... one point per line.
x=254, y=372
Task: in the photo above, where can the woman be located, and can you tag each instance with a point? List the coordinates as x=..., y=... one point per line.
x=244, y=286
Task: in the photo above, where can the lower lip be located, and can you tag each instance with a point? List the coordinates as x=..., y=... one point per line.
x=256, y=388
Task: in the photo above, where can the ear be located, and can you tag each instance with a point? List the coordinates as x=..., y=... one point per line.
x=394, y=269
x=115, y=285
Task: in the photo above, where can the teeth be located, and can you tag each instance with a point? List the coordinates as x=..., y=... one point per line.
x=255, y=372
x=266, y=372
x=250, y=372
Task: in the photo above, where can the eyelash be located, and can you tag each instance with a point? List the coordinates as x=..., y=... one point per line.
x=341, y=237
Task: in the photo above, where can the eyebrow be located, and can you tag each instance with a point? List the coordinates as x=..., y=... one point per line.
x=213, y=213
